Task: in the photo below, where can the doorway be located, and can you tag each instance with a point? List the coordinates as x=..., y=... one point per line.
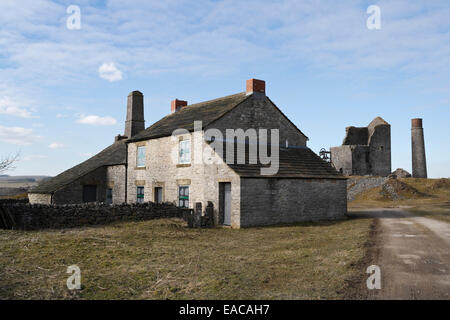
x=225, y=203
x=158, y=195
x=89, y=193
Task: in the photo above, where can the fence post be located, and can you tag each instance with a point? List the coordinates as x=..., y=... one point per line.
x=209, y=216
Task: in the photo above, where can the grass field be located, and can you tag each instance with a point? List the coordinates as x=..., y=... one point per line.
x=162, y=259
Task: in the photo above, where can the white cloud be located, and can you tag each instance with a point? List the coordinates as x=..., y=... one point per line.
x=219, y=37
x=97, y=120
x=56, y=145
x=34, y=157
x=17, y=135
x=9, y=107
x=109, y=71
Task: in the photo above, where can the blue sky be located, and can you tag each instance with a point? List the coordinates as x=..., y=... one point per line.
x=63, y=92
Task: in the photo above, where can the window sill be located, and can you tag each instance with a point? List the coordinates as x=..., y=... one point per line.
x=183, y=165
x=139, y=168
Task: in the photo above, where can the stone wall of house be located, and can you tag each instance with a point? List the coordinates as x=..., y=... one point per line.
x=103, y=177
x=260, y=113
x=161, y=170
x=218, y=172
x=35, y=216
x=40, y=198
x=115, y=179
x=277, y=201
x=72, y=193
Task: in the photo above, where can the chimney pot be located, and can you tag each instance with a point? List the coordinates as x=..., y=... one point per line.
x=176, y=105
x=416, y=123
x=255, y=85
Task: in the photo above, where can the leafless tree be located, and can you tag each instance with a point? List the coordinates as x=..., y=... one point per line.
x=8, y=162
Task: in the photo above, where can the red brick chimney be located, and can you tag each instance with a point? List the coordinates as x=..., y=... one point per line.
x=176, y=105
x=255, y=85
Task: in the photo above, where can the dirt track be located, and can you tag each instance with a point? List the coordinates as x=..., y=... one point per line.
x=413, y=253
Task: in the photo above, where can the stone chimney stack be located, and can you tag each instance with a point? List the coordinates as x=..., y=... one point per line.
x=135, y=114
x=419, y=164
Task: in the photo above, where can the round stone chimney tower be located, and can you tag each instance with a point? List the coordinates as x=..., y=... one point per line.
x=419, y=164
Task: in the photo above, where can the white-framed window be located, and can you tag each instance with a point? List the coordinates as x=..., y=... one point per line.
x=184, y=152
x=140, y=157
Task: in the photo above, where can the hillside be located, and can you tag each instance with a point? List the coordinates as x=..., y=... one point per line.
x=12, y=186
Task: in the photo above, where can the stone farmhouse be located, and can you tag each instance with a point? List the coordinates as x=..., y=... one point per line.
x=365, y=150
x=161, y=164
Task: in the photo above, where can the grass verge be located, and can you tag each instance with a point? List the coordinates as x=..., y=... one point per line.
x=441, y=213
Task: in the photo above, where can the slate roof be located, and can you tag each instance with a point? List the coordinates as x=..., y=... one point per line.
x=207, y=112
x=295, y=162
x=115, y=154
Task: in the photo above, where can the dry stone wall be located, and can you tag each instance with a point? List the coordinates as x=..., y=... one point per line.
x=23, y=216
x=360, y=184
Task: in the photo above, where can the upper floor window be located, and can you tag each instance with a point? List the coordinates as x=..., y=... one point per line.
x=184, y=152
x=140, y=157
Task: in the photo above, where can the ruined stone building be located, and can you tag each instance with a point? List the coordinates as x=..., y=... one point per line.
x=176, y=160
x=365, y=150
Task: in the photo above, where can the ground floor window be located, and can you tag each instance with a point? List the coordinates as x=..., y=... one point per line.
x=158, y=195
x=109, y=196
x=183, y=196
x=140, y=195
